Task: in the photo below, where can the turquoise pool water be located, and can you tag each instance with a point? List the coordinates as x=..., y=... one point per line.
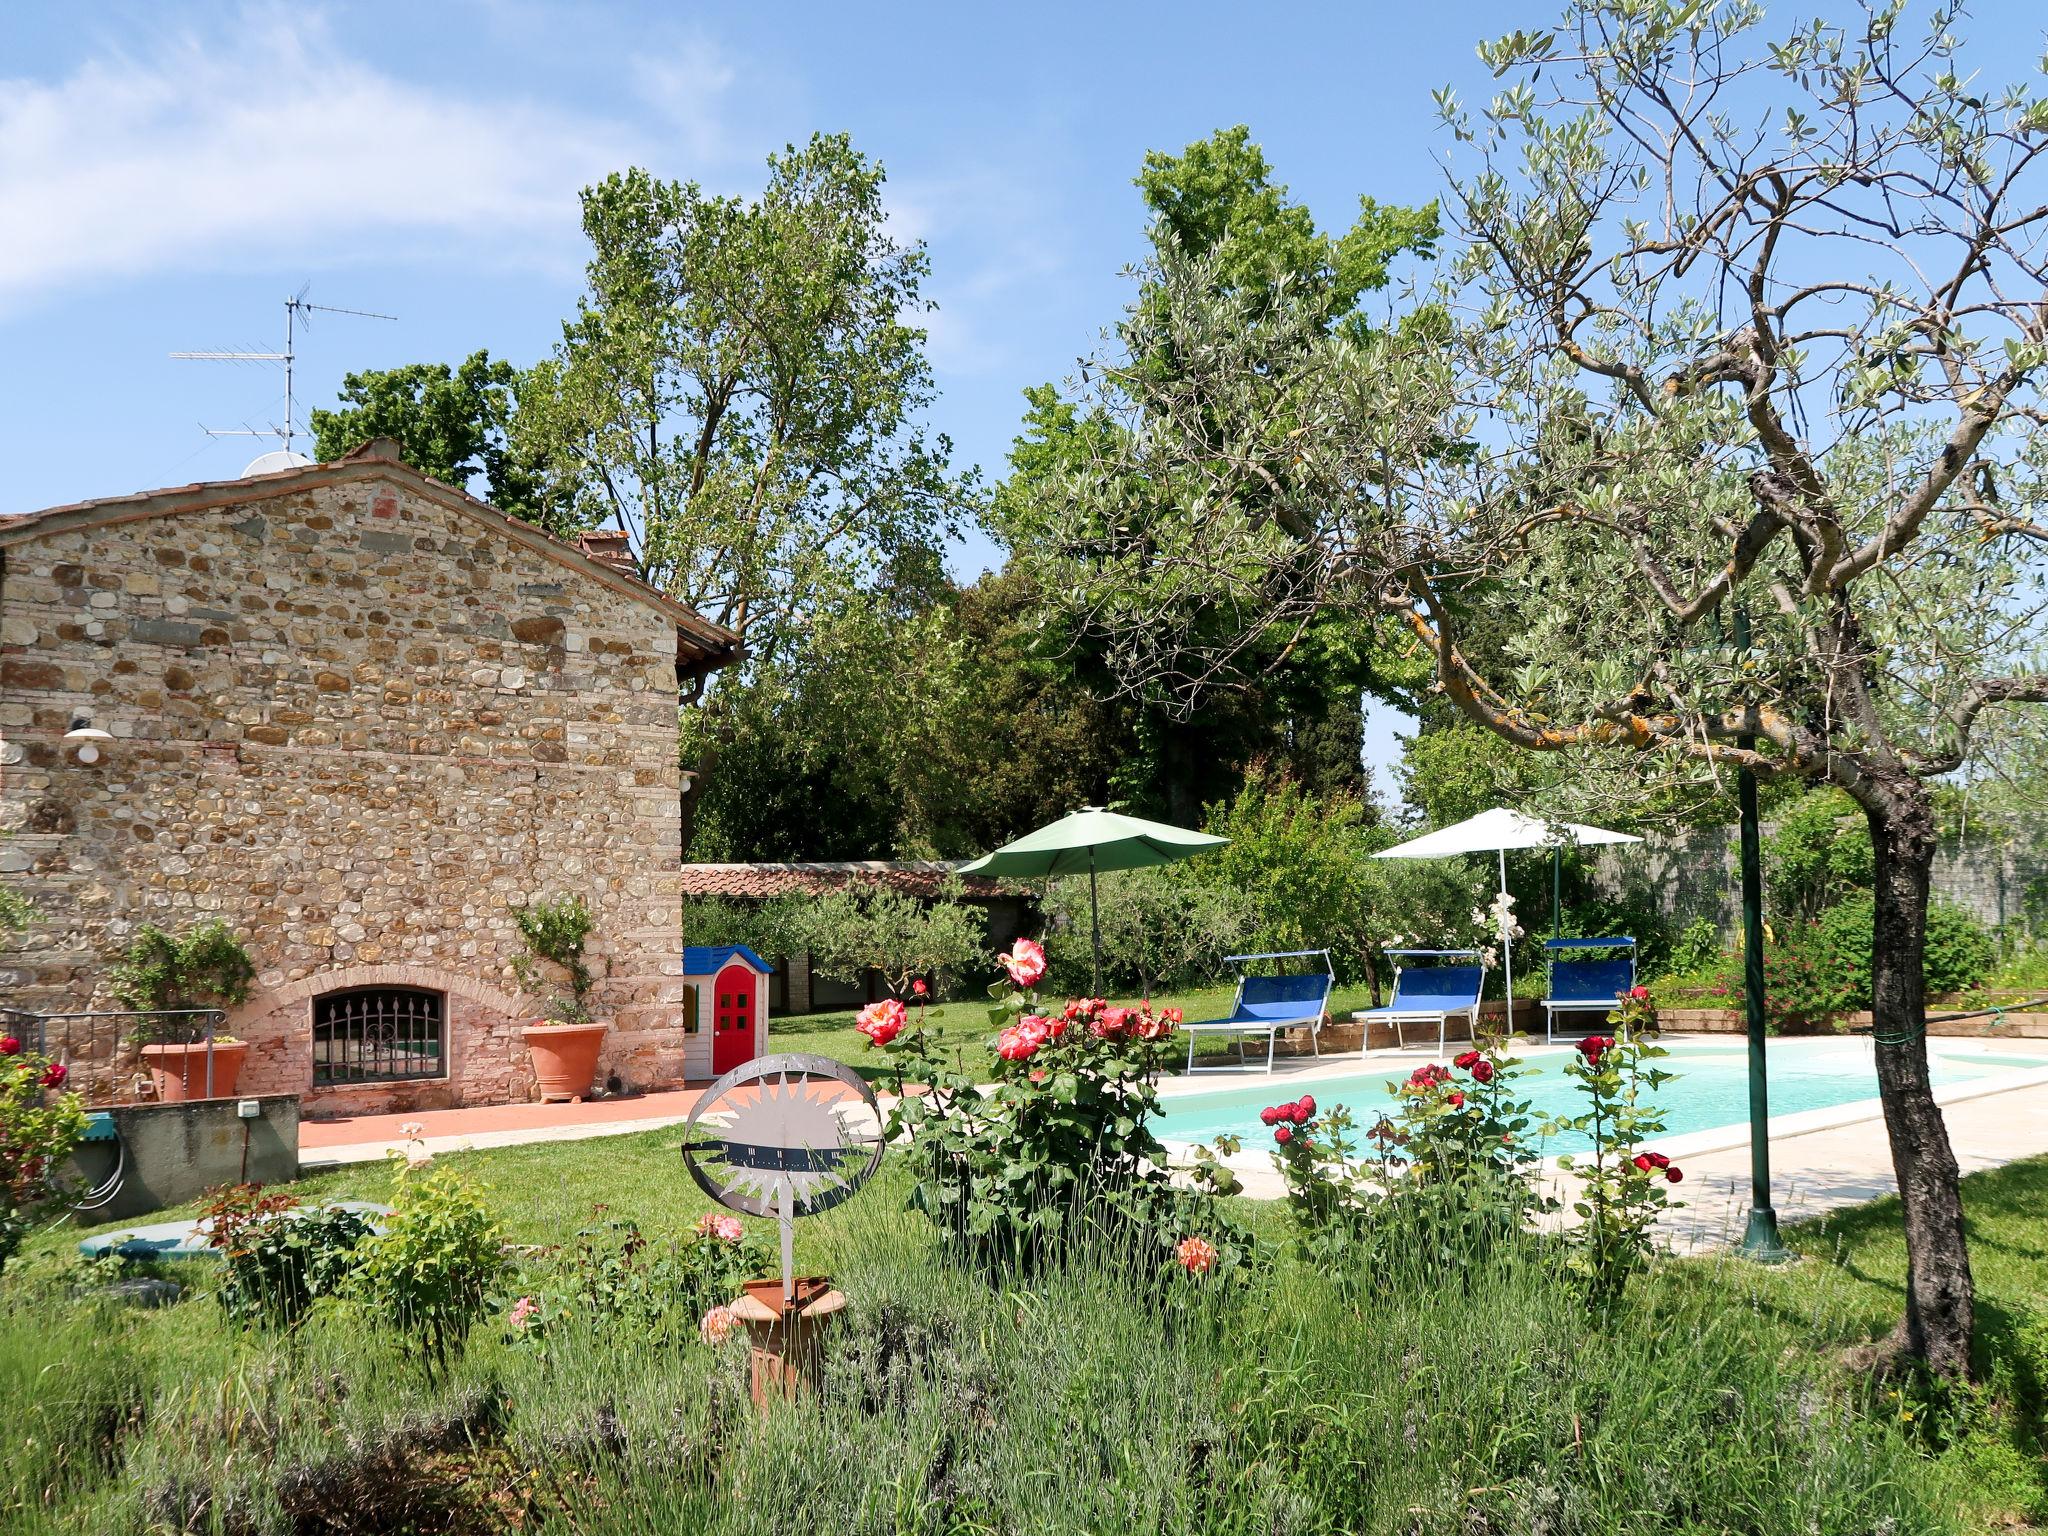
x=1710, y=1090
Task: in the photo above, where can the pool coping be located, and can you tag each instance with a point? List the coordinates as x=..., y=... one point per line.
x=1724, y=1138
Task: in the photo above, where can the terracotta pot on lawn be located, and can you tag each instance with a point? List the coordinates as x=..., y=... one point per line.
x=179, y=1071
x=564, y=1057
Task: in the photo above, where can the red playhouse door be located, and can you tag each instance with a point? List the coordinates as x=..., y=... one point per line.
x=732, y=1017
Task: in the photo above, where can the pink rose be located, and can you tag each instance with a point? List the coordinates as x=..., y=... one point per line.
x=881, y=1022
x=726, y=1229
x=918, y=987
x=524, y=1310
x=717, y=1325
x=1017, y=1044
x=1025, y=962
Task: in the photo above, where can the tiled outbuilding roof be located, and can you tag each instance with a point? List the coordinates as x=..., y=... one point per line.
x=917, y=877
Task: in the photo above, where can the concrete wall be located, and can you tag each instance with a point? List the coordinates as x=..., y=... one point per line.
x=176, y=1152
x=358, y=723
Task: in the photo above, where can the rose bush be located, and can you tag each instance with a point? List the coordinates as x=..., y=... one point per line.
x=39, y=1125
x=1058, y=1152
x=1623, y=1187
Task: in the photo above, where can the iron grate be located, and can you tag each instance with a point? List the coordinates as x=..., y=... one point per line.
x=377, y=1035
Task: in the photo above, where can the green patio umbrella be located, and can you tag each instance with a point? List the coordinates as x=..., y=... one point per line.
x=1094, y=840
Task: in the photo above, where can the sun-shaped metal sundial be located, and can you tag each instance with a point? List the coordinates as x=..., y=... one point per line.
x=784, y=1136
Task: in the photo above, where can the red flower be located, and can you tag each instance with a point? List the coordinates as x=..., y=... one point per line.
x=1639, y=993
x=1466, y=1062
x=1593, y=1047
x=9, y=1046
x=881, y=1022
x=1270, y=1113
x=1456, y=1101
x=1197, y=1256
x=1172, y=1016
x=54, y=1074
x=918, y=987
x=1307, y=1104
x=1674, y=1174
x=1018, y=1043
x=1283, y=1134
x=1642, y=1162
x=1482, y=1072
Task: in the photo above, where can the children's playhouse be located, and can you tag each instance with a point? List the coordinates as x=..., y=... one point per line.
x=726, y=1005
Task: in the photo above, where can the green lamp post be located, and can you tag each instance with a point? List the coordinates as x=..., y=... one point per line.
x=1760, y=1241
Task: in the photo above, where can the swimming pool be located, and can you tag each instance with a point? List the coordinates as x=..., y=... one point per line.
x=1710, y=1090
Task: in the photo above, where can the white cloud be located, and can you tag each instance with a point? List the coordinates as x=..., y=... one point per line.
x=687, y=87
x=266, y=137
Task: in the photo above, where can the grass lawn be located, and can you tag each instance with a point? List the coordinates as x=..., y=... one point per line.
x=1487, y=1400
x=962, y=1028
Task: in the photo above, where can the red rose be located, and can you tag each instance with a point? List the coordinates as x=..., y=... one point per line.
x=1674, y=1174
x=1640, y=994
x=1270, y=1113
x=918, y=987
x=1308, y=1103
x=1642, y=1161
x=1300, y=1113
x=1283, y=1134
x=9, y=1046
x=1482, y=1072
x=1466, y=1062
x=54, y=1074
x=1456, y=1101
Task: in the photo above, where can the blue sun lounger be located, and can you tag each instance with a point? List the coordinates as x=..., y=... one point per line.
x=1267, y=1004
x=1426, y=993
x=1589, y=985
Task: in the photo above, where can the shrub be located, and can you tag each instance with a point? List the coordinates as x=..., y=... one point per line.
x=1447, y=1176
x=1161, y=929
x=556, y=932
x=1823, y=968
x=432, y=1268
x=37, y=1132
x=1058, y=1155
x=1623, y=1188
x=277, y=1256
x=869, y=926
x=208, y=967
x=1818, y=855
x=615, y=1276
x=1695, y=950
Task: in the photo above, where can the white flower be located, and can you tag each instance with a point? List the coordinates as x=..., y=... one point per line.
x=1489, y=958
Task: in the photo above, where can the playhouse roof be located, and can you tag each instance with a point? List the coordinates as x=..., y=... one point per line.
x=705, y=959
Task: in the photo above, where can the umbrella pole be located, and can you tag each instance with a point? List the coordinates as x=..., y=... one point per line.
x=1094, y=926
x=1507, y=948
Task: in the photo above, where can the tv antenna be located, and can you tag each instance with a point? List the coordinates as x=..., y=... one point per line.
x=298, y=315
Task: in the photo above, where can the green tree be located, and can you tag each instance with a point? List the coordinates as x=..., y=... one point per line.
x=455, y=425
x=1721, y=445
x=1292, y=697
x=741, y=392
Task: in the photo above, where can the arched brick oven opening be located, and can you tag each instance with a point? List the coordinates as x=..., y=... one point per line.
x=311, y=1037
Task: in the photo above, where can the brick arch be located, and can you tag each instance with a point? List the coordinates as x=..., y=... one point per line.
x=486, y=1059
x=455, y=984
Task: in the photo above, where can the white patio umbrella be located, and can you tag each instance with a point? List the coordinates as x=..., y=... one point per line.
x=1495, y=832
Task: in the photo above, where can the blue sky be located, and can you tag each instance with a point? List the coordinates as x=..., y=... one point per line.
x=170, y=172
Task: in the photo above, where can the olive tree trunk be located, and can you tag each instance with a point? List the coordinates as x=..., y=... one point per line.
x=1940, y=1296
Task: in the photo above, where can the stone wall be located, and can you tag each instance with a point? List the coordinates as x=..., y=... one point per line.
x=1697, y=874
x=359, y=722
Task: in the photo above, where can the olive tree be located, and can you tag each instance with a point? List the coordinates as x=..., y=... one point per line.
x=1715, y=444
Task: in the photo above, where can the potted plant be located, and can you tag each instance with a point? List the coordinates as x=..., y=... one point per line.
x=565, y=1040
x=175, y=982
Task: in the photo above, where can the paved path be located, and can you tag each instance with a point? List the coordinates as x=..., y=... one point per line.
x=364, y=1138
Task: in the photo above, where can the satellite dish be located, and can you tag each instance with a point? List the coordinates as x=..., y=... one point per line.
x=277, y=459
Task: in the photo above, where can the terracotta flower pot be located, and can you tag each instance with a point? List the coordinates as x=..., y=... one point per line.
x=564, y=1057
x=179, y=1071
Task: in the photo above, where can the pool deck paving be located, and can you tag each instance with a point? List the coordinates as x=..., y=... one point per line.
x=1822, y=1160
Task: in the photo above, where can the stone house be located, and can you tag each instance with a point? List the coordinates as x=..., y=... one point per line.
x=358, y=715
